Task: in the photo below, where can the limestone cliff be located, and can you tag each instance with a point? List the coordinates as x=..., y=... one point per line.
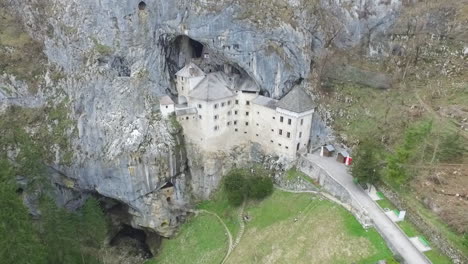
x=109, y=60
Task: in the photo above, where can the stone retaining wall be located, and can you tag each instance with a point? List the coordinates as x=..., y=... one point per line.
x=336, y=189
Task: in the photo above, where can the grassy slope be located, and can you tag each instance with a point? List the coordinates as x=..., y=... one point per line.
x=201, y=240
x=324, y=233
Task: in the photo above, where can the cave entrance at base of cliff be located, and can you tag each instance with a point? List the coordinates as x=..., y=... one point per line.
x=141, y=6
x=132, y=239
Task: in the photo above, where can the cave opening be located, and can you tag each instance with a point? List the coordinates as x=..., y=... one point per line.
x=134, y=238
x=197, y=48
x=142, y=5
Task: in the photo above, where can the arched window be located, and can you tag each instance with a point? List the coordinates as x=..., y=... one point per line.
x=142, y=5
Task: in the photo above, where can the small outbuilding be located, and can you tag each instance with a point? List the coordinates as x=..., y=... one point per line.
x=166, y=105
x=327, y=151
x=344, y=157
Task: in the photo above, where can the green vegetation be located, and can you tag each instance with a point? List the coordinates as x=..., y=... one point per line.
x=241, y=184
x=365, y=166
x=323, y=232
x=201, y=240
x=58, y=236
x=102, y=49
x=20, y=55
x=300, y=228
x=435, y=255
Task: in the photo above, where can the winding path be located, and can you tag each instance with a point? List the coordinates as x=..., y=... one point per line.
x=225, y=227
x=395, y=237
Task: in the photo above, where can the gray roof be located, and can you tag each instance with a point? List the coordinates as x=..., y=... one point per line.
x=215, y=86
x=330, y=148
x=265, y=101
x=344, y=153
x=297, y=100
x=186, y=111
x=165, y=100
x=190, y=70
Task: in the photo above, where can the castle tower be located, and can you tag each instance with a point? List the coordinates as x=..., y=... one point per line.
x=187, y=79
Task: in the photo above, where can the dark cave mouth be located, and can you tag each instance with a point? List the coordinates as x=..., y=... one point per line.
x=133, y=238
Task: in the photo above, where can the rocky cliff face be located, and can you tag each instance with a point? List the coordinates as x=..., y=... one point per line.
x=109, y=60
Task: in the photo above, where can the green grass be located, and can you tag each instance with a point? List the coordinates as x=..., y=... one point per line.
x=201, y=239
x=323, y=233
x=408, y=228
x=323, y=229
x=294, y=173
x=435, y=255
x=385, y=203
x=219, y=204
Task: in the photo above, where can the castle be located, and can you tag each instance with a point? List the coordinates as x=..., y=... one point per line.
x=221, y=110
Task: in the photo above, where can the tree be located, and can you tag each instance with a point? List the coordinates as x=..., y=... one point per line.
x=93, y=224
x=259, y=187
x=451, y=148
x=18, y=240
x=365, y=166
x=253, y=183
x=235, y=186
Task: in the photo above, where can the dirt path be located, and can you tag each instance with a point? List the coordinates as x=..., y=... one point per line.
x=228, y=233
x=389, y=230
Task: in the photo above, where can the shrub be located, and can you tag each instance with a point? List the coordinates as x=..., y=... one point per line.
x=240, y=184
x=259, y=187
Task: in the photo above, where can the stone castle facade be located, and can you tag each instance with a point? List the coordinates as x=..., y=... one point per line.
x=221, y=110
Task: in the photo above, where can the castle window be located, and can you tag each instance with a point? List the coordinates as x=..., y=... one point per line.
x=257, y=124
x=229, y=123
x=237, y=101
x=302, y=121
x=186, y=118
x=279, y=144
x=216, y=128
x=288, y=135
x=199, y=117
x=235, y=112
x=216, y=106
x=281, y=132
x=258, y=113
x=271, y=141
x=167, y=106
x=289, y=121
x=287, y=147
x=235, y=130
x=272, y=130
x=247, y=102
x=256, y=135
x=229, y=102
x=199, y=105
x=281, y=119
x=246, y=123
x=229, y=113
x=247, y=113
x=274, y=118
x=245, y=132
x=223, y=104
x=216, y=117
x=235, y=122
x=142, y=5
x=300, y=134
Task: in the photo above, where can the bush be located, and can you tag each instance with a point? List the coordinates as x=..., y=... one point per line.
x=241, y=184
x=259, y=187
